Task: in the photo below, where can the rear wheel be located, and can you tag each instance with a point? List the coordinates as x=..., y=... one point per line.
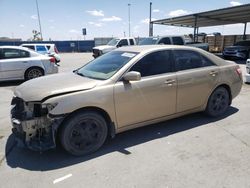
x=83, y=133
x=218, y=102
x=33, y=72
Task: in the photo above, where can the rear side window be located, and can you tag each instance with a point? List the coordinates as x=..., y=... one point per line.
x=155, y=63
x=186, y=59
x=41, y=48
x=30, y=47
x=165, y=40
x=131, y=41
x=9, y=53
x=178, y=40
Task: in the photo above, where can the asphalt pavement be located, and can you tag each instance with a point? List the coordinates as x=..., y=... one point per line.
x=191, y=151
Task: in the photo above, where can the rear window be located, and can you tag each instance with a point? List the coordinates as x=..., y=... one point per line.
x=242, y=43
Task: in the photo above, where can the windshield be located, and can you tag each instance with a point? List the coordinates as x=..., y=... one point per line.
x=148, y=41
x=107, y=65
x=113, y=42
x=242, y=43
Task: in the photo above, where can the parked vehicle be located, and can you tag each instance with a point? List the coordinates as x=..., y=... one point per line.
x=18, y=63
x=248, y=71
x=174, y=40
x=45, y=49
x=113, y=44
x=121, y=90
x=240, y=50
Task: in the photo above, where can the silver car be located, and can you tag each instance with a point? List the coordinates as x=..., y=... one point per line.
x=19, y=63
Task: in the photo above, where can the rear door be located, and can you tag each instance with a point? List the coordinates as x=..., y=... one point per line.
x=13, y=63
x=196, y=77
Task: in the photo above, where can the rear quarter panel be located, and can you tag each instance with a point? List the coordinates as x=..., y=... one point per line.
x=229, y=76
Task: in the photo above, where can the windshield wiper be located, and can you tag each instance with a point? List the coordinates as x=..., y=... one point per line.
x=79, y=73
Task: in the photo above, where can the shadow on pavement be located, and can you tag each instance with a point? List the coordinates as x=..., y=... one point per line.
x=58, y=158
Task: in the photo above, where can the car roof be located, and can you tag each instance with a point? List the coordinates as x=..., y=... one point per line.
x=148, y=48
x=31, y=44
x=15, y=47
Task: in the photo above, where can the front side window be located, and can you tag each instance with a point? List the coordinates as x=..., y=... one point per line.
x=155, y=63
x=123, y=42
x=9, y=53
x=107, y=65
x=186, y=59
x=113, y=42
x=178, y=41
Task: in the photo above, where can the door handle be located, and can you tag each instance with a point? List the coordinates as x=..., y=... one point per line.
x=213, y=73
x=169, y=82
x=25, y=62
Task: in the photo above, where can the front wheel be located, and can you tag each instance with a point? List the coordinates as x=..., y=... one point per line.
x=218, y=102
x=83, y=133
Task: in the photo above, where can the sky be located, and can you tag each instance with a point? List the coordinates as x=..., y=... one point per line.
x=64, y=19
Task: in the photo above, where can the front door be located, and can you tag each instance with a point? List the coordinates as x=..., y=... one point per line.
x=152, y=97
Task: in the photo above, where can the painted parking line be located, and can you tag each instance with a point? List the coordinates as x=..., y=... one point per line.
x=62, y=178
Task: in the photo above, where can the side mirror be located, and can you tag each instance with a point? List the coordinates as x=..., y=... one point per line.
x=132, y=76
x=118, y=45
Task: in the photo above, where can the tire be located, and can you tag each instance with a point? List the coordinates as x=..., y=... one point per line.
x=83, y=133
x=218, y=102
x=33, y=72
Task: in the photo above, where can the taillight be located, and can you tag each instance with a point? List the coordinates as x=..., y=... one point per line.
x=55, y=49
x=52, y=60
x=238, y=71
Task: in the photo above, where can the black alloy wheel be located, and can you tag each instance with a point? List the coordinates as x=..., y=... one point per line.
x=218, y=102
x=83, y=133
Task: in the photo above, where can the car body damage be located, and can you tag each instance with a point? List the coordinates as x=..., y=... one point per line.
x=33, y=126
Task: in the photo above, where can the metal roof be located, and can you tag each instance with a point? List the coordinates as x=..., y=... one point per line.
x=224, y=16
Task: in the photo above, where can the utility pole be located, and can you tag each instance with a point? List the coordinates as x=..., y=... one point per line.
x=39, y=21
x=129, y=19
x=150, y=21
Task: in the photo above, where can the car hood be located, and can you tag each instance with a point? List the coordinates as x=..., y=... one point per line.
x=47, y=86
x=104, y=47
x=237, y=48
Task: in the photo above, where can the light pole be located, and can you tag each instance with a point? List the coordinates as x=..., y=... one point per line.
x=150, y=20
x=39, y=21
x=129, y=19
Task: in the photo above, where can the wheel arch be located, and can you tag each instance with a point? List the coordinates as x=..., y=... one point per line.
x=32, y=67
x=102, y=112
x=227, y=87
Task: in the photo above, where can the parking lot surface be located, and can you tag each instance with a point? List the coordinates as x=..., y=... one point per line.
x=192, y=151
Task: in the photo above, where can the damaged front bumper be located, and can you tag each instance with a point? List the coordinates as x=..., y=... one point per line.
x=33, y=126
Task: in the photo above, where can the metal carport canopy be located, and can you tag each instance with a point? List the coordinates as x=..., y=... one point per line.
x=224, y=16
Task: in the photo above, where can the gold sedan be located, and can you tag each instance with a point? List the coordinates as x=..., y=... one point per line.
x=127, y=88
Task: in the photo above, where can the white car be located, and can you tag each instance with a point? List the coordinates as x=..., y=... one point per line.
x=19, y=63
x=45, y=49
x=248, y=71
